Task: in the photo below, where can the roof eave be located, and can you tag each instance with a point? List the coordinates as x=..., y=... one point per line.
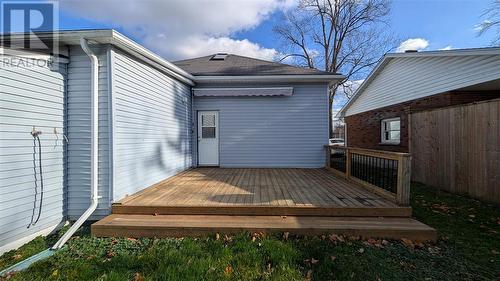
x=115, y=38
x=366, y=82
x=306, y=78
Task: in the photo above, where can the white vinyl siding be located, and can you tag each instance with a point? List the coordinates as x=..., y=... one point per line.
x=408, y=78
x=30, y=96
x=272, y=131
x=78, y=124
x=152, y=125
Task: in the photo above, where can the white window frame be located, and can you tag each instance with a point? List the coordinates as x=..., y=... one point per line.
x=383, y=131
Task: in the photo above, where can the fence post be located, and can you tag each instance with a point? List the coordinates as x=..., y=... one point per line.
x=347, y=163
x=404, y=178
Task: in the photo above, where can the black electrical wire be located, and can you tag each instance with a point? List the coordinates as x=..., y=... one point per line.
x=36, y=181
x=41, y=178
x=35, y=139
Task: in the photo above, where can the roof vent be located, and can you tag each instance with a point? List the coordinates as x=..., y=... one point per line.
x=411, y=51
x=219, y=56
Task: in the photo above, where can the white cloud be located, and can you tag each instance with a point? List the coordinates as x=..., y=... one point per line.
x=447, y=48
x=195, y=46
x=184, y=28
x=413, y=44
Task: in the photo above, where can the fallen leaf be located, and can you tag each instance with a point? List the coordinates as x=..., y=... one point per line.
x=217, y=236
x=354, y=238
x=131, y=239
x=335, y=237
x=361, y=250
x=155, y=214
x=333, y=258
x=433, y=250
x=55, y=273
x=285, y=236
x=110, y=254
x=228, y=270
x=17, y=257
x=227, y=238
x=472, y=216
x=419, y=245
x=314, y=261
x=408, y=243
x=138, y=277
x=309, y=275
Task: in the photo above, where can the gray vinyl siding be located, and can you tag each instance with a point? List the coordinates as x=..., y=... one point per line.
x=276, y=131
x=30, y=96
x=151, y=131
x=78, y=127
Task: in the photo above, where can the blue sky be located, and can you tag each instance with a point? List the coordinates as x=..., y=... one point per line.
x=178, y=29
x=442, y=23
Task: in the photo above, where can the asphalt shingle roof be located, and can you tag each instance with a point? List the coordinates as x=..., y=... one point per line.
x=241, y=66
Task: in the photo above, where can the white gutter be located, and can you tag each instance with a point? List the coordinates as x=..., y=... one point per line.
x=94, y=144
x=269, y=78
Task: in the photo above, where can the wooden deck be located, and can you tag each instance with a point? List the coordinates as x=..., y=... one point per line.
x=315, y=192
x=303, y=201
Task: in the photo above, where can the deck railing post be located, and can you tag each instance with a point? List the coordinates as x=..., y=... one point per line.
x=404, y=178
x=348, y=163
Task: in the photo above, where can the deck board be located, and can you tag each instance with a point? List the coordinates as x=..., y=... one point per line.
x=259, y=189
x=194, y=225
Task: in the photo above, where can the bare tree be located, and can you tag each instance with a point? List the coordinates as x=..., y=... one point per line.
x=338, y=36
x=492, y=21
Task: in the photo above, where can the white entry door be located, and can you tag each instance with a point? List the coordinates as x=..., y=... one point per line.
x=208, y=138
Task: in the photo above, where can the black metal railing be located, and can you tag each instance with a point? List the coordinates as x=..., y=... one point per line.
x=378, y=171
x=338, y=159
x=385, y=172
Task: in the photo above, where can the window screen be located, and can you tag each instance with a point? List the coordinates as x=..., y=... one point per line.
x=208, y=132
x=208, y=126
x=208, y=120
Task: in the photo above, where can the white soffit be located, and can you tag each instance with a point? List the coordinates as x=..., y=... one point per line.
x=242, y=92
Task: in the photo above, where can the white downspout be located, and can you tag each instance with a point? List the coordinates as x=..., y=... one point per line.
x=94, y=144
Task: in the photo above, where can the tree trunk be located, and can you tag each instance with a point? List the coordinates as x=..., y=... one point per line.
x=330, y=115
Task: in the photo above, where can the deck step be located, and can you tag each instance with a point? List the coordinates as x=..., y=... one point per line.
x=260, y=210
x=120, y=225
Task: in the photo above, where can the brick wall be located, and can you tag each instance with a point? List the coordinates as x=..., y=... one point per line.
x=364, y=129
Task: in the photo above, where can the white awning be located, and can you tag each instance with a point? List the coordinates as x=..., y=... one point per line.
x=242, y=92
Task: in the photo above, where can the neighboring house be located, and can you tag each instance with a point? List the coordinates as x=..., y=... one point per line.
x=155, y=120
x=417, y=102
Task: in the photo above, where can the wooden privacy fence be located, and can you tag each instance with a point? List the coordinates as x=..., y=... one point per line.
x=383, y=172
x=458, y=149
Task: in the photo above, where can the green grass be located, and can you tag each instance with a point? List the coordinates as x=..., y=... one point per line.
x=467, y=249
